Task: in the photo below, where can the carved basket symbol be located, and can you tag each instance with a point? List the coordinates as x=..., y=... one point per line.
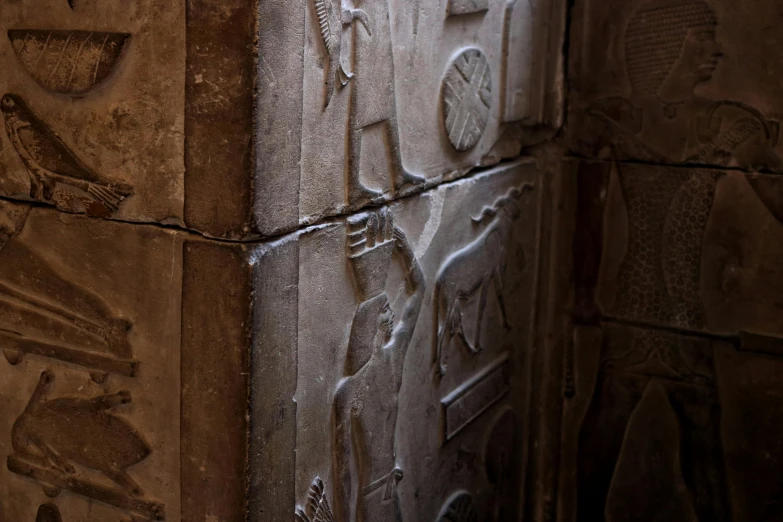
x=68, y=62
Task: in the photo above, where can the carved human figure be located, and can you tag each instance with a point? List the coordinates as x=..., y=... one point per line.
x=372, y=100
x=677, y=375
x=477, y=267
x=69, y=431
x=366, y=400
x=671, y=49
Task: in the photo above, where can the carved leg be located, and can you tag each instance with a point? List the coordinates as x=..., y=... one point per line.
x=480, y=315
x=402, y=177
x=498, y=284
x=125, y=481
x=441, y=320
x=461, y=330
x=358, y=194
x=56, y=460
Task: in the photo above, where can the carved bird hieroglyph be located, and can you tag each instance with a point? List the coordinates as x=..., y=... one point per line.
x=49, y=161
x=330, y=25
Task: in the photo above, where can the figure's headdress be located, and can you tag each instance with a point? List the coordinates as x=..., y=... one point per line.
x=655, y=36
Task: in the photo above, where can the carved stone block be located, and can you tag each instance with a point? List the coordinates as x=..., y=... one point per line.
x=413, y=404
x=677, y=345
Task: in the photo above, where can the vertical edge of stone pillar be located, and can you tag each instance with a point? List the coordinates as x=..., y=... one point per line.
x=273, y=377
x=216, y=326
x=219, y=116
x=278, y=114
x=555, y=301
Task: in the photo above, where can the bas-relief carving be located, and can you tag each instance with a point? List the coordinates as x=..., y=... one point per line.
x=383, y=66
x=691, y=248
x=93, y=115
x=382, y=440
x=665, y=93
x=683, y=250
x=83, y=425
x=68, y=62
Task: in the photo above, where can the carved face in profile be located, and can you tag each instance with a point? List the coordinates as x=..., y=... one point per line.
x=700, y=54
x=671, y=45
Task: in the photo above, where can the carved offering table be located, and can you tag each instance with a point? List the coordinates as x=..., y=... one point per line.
x=276, y=260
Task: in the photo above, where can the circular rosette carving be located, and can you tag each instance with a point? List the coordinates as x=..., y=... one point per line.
x=459, y=508
x=68, y=62
x=466, y=99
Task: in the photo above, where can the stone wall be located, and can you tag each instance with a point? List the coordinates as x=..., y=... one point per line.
x=277, y=260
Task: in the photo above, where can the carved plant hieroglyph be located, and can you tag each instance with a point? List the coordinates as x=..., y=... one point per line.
x=475, y=268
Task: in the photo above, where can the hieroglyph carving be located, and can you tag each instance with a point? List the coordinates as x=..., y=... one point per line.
x=317, y=507
x=477, y=267
x=365, y=404
x=43, y=314
x=460, y=7
x=671, y=50
x=68, y=62
x=52, y=437
x=372, y=100
x=467, y=98
x=48, y=513
x=474, y=397
x=57, y=175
